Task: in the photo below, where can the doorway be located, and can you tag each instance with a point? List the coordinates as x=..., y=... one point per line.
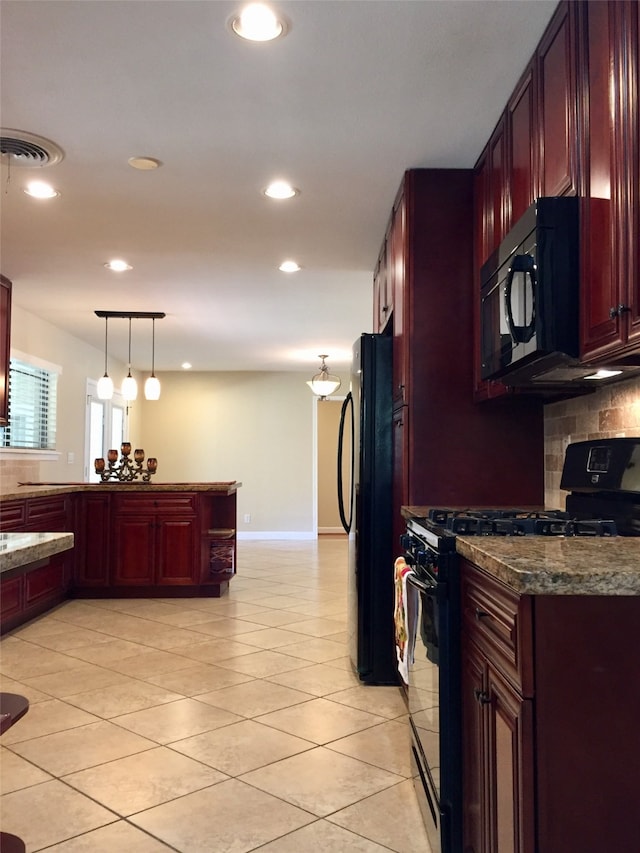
x=328, y=421
x=105, y=427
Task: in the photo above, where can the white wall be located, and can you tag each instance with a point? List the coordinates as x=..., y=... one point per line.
x=253, y=427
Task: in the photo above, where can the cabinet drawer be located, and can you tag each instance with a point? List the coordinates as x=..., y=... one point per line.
x=499, y=622
x=172, y=504
x=47, y=514
x=12, y=515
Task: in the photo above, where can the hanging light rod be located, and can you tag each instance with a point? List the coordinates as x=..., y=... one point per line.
x=132, y=315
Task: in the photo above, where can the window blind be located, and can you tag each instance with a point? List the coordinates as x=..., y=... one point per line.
x=32, y=407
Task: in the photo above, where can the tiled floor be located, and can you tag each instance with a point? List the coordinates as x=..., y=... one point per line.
x=208, y=725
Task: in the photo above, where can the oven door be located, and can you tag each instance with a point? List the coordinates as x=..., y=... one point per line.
x=423, y=696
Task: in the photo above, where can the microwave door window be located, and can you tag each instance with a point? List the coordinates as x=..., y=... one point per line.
x=520, y=292
x=496, y=344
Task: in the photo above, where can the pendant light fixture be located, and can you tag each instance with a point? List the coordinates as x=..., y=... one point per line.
x=105, y=384
x=129, y=384
x=152, y=385
x=324, y=383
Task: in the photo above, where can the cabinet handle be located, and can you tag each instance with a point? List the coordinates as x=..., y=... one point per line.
x=481, y=614
x=482, y=696
x=622, y=309
x=613, y=312
x=617, y=310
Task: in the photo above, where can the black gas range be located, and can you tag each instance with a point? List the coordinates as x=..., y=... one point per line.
x=603, y=479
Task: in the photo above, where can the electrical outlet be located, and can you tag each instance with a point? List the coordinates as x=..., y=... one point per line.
x=247, y=518
x=71, y=458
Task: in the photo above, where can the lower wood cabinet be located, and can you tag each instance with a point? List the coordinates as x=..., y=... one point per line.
x=550, y=695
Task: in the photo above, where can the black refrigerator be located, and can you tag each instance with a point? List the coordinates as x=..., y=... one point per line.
x=365, y=503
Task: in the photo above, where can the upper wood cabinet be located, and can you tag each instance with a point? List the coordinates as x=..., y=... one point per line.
x=522, y=166
x=5, y=346
x=610, y=297
x=382, y=292
x=558, y=104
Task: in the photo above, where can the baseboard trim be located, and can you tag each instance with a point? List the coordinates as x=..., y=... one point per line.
x=276, y=534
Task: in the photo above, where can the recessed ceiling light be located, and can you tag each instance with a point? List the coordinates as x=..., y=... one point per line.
x=257, y=22
x=144, y=164
x=289, y=266
x=603, y=374
x=118, y=266
x=40, y=189
x=186, y=365
x=280, y=190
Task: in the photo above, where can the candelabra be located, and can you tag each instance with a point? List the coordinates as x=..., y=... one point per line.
x=128, y=470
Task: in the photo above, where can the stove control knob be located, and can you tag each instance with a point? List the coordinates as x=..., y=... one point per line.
x=406, y=541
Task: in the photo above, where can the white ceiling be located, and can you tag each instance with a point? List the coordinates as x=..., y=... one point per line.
x=357, y=92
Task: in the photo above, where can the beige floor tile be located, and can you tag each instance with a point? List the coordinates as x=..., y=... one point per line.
x=104, y=653
x=315, y=649
x=276, y=618
x=9, y=685
x=323, y=836
x=176, y=720
x=86, y=746
x=320, y=720
x=320, y=609
x=391, y=818
x=320, y=781
x=142, y=781
x=165, y=637
x=319, y=679
x=208, y=650
x=254, y=698
x=197, y=678
x=386, y=701
x=49, y=813
x=118, y=837
x=72, y=638
x=224, y=627
x=241, y=747
x=21, y=660
x=107, y=702
x=262, y=664
x=83, y=676
x=186, y=617
x=46, y=626
x=318, y=627
x=272, y=638
x=387, y=746
x=282, y=602
x=230, y=817
x=150, y=663
x=45, y=718
x=16, y=773
x=227, y=607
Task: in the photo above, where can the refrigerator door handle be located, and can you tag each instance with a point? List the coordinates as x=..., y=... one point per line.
x=347, y=404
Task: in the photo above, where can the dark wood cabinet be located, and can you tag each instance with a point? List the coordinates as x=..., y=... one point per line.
x=440, y=436
x=382, y=292
x=157, y=540
x=92, y=540
x=522, y=150
x=558, y=103
x=545, y=767
x=5, y=346
x=610, y=213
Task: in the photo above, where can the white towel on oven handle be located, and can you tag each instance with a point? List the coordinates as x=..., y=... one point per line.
x=405, y=617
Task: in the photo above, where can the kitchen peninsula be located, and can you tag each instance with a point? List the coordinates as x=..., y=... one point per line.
x=550, y=692
x=130, y=540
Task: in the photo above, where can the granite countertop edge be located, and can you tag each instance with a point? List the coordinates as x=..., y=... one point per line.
x=541, y=565
x=35, y=490
x=20, y=549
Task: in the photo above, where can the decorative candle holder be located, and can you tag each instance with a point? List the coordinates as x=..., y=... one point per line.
x=128, y=470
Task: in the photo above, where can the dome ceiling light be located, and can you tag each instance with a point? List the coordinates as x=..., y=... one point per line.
x=40, y=189
x=289, y=266
x=144, y=164
x=323, y=384
x=258, y=22
x=118, y=265
x=280, y=190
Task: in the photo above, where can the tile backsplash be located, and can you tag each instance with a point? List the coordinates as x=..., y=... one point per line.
x=607, y=413
x=14, y=471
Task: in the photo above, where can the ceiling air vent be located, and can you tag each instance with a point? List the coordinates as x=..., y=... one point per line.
x=20, y=148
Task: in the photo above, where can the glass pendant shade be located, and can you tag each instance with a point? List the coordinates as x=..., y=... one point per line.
x=105, y=387
x=129, y=387
x=324, y=383
x=152, y=388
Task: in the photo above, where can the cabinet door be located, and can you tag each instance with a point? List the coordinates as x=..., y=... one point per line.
x=497, y=200
x=522, y=146
x=134, y=550
x=511, y=776
x=474, y=755
x=382, y=296
x=5, y=346
x=177, y=560
x=400, y=486
x=557, y=93
x=92, y=540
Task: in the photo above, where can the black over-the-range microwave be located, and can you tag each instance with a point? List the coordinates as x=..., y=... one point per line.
x=530, y=297
x=530, y=303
